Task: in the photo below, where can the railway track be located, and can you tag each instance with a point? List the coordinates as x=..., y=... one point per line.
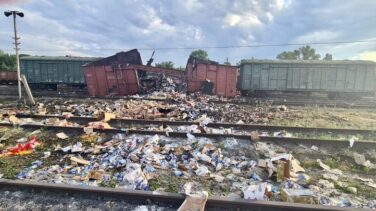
x=275, y=100
x=161, y=198
x=117, y=122
x=359, y=145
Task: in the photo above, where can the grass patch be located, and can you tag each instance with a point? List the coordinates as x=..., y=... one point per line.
x=332, y=162
x=309, y=164
x=108, y=184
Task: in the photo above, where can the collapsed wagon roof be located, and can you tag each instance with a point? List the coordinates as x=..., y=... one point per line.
x=128, y=57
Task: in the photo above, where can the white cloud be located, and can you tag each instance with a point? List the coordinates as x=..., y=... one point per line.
x=317, y=36
x=281, y=4
x=246, y=20
x=367, y=55
x=82, y=27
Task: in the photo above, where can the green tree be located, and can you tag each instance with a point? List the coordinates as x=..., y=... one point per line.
x=166, y=64
x=201, y=54
x=289, y=55
x=303, y=53
x=328, y=57
x=7, y=62
x=308, y=53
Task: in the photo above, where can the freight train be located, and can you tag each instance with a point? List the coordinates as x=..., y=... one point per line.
x=334, y=78
x=48, y=72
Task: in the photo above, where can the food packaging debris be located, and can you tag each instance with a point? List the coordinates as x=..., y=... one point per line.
x=329, y=176
x=46, y=154
x=62, y=135
x=255, y=192
x=79, y=161
x=14, y=120
x=359, y=159
x=96, y=174
x=230, y=143
x=194, y=202
x=325, y=184
x=88, y=130
x=204, y=120
x=352, y=190
x=255, y=136
x=66, y=149
x=77, y=147
x=21, y=140
x=305, y=196
x=99, y=125
x=283, y=170
x=109, y=116
x=322, y=165
x=202, y=171
x=218, y=178
x=262, y=163
x=315, y=148
x=352, y=141
x=190, y=136
x=282, y=133
x=22, y=149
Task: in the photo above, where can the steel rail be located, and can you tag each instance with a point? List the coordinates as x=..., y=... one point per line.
x=213, y=203
x=250, y=127
x=359, y=145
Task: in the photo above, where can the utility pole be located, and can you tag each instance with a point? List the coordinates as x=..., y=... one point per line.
x=16, y=44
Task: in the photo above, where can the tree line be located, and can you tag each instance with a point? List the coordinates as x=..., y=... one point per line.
x=8, y=61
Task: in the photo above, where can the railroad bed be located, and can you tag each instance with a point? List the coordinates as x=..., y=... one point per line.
x=35, y=196
x=283, y=99
x=152, y=127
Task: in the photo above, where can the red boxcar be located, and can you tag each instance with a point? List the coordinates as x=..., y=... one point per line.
x=223, y=77
x=8, y=76
x=110, y=80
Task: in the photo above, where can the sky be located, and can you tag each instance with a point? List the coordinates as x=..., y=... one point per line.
x=101, y=28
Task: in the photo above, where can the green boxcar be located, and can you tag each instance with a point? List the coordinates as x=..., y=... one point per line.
x=54, y=70
x=310, y=76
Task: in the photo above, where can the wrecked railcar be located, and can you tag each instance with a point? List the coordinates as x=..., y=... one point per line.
x=123, y=74
x=111, y=75
x=210, y=77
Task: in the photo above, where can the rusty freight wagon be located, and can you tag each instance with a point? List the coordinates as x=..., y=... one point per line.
x=335, y=78
x=123, y=74
x=8, y=77
x=210, y=77
x=111, y=75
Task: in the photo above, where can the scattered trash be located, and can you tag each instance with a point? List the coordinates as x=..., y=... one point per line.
x=315, y=148
x=21, y=149
x=352, y=141
x=282, y=133
x=79, y=161
x=46, y=154
x=255, y=192
x=304, y=196
x=62, y=135
x=255, y=136
x=194, y=202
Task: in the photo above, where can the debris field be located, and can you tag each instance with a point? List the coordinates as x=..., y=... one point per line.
x=225, y=167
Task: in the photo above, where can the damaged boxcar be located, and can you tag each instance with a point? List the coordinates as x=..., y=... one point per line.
x=124, y=74
x=210, y=77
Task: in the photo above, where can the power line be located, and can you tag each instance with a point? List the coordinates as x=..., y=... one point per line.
x=210, y=47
